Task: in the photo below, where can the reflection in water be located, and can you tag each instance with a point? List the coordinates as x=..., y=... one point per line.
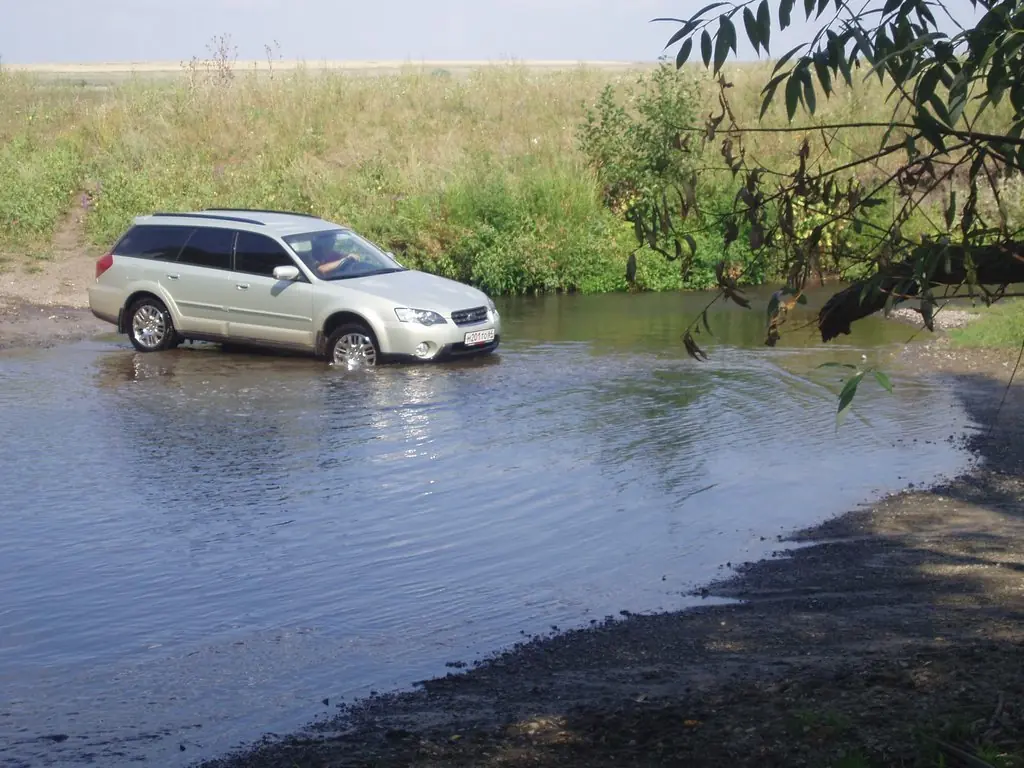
x=227, y=538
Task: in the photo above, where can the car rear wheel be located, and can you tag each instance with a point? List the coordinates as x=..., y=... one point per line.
x=150, y=326
x=352, y=346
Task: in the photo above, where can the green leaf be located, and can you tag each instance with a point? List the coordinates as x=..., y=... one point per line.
x=809, y=98
x=824, y=76
x=785, y=13
x=845, y=67
x=846, y=396
x=801, y=299
x=684, y=52
x=884, y=381
x=927, y=314
x=681, y=33
x=704, y=321
x=769, y=92
x=931, y=129
x=926, y=84
x=692, y=243
x=764, y=24
x=723, y=42
x=750, y=25
x=709, y=7
x=792, y=96
x=721, y=50
x=951, y=209
x=786, y=57
x=940, y=110
x=1017, y=96
x=705, y=47
x=808, y=7
x=833, y=364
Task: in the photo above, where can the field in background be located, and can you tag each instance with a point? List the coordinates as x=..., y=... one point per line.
x=468, y=169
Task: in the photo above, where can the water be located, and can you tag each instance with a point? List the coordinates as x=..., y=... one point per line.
x=200, y=546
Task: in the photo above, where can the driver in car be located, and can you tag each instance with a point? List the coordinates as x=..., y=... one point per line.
x=326, y=259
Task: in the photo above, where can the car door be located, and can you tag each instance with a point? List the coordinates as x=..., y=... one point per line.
x=266, y=309
x=201, y=281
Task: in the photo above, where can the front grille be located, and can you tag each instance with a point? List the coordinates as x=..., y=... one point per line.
x=469, y=316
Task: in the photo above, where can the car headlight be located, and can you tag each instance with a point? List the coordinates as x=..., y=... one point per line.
x=491, y=306
x=421, y=316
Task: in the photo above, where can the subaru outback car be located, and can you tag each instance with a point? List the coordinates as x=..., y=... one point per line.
x=283, y=280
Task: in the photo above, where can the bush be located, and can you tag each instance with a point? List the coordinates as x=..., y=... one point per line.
x=648, y=171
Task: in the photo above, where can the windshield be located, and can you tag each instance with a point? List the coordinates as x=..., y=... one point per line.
x=337, y=254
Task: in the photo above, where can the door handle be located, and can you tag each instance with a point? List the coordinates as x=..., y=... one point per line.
x=173, y=277
x=242, y=286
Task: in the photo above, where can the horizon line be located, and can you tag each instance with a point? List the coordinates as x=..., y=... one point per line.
x=265, y=64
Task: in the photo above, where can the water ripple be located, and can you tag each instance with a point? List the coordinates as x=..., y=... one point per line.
x=223, y=539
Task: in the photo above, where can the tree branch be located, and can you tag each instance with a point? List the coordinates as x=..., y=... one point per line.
x=992, y=265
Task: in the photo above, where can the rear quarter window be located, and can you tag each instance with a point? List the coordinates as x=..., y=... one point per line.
x=153, y=242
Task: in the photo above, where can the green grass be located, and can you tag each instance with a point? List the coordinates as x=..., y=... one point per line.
x=477, y=177
x=1000, y=326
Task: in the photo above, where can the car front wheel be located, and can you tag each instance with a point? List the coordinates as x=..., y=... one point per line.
x=150, y=326
x=352, y=346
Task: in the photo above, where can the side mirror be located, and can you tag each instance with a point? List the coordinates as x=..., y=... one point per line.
x=290, y=272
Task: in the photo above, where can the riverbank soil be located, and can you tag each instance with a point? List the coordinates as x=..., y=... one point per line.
x=27, y=325
x=43, y=299
x=890, y=636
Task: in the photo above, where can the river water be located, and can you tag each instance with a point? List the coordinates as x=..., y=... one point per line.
x=201, y=546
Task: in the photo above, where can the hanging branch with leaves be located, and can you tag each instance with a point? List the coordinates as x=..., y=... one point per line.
x=946, y=92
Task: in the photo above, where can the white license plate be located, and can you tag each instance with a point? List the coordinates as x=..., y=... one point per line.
x=479, y=337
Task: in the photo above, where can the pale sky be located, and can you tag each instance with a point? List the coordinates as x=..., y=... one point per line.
x=93, y=31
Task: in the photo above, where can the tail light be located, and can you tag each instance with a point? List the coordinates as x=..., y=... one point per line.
x=104, y=263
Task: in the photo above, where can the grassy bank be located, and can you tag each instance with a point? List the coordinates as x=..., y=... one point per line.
x=478, y=176
x=1000, y=326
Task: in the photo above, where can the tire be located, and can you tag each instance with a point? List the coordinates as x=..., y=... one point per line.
x=150, y=326
x=352, y=345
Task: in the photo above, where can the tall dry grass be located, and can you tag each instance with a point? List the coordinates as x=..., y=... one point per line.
x=478, y=176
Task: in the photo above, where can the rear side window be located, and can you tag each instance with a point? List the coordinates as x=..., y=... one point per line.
x=153, y=242
x=209, y=247
x=258, y=255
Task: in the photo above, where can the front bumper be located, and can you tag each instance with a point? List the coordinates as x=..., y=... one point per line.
x=456, y=351
x=400, y=340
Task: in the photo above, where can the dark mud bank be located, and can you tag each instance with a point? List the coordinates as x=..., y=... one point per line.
x=28, y=326
x=888, y=636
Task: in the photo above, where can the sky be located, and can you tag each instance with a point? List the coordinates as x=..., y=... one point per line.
x=96, y=31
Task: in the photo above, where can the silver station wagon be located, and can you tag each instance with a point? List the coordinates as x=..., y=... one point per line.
x=283, y=280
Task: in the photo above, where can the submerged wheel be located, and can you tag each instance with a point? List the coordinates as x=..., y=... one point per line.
x=352, y=346
x=150, y=326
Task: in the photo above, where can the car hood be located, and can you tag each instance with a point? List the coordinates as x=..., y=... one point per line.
x=418, y=290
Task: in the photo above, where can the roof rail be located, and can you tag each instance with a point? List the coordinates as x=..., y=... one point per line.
x=266, y=210
x=208, y=216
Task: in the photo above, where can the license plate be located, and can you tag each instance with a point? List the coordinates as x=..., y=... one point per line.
x=479, y=337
